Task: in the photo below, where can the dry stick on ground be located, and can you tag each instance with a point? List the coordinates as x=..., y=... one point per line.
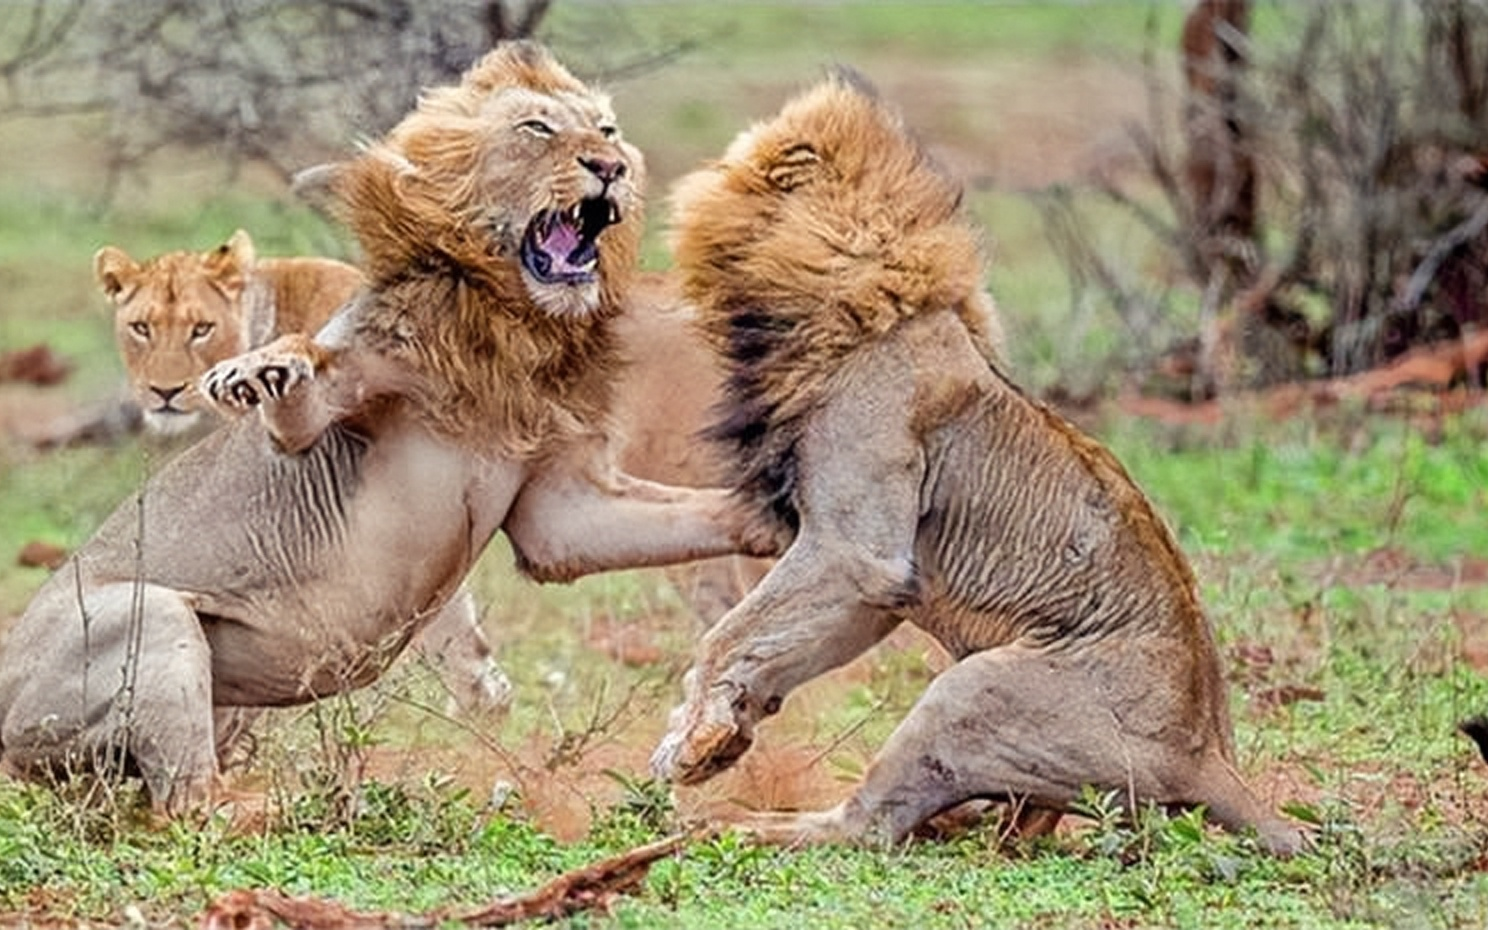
x=593, y=886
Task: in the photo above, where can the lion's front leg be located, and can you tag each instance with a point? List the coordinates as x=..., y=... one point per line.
x=567, y=522
x=813, y=612
x=280, y=381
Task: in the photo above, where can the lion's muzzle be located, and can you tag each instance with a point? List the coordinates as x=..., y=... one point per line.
x=562, y=246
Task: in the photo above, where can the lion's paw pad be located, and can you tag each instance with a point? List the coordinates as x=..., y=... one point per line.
x=250, y=380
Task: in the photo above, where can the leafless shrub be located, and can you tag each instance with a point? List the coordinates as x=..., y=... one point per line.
x=282, y=83
x=1323, y=197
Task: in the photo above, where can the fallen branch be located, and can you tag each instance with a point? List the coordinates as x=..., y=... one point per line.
x=1436, y=367
x=594, y=886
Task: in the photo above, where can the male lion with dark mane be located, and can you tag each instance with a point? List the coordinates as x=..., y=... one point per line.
x=835, y=271
x=291, y=554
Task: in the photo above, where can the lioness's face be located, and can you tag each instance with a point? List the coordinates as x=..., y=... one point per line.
x=580, y=198
x=174, y=317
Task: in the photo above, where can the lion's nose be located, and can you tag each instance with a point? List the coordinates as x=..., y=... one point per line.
x=607, y=170
x=167, y=394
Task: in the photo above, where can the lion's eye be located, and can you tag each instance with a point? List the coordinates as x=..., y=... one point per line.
x=140, y=329
x=202, y=330
x=610, y=131
x=537, y=127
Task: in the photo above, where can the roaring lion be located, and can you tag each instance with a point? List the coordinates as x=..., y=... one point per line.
x=835, y=271
x=180, y=313
x=292, y=554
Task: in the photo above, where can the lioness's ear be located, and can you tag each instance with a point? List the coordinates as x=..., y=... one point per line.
x=114, y=270
x=238, y=250
x=230, y=263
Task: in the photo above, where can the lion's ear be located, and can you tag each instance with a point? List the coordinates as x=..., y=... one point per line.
x=793, y=167
x=318, y=184
x=230, y=263
x=114, y=270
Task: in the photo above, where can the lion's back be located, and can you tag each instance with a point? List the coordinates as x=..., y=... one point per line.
x=308, y=291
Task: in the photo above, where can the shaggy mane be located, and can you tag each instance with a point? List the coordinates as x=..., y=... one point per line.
x=445, y=293
x=816, y=234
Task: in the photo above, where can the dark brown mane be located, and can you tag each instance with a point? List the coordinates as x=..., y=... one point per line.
x=815, y=235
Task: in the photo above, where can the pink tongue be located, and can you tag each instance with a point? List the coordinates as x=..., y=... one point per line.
x=560, y=243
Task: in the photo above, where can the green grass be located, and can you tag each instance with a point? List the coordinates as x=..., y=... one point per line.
x=1348, y=675
x=1297, y=491
x=412, y=849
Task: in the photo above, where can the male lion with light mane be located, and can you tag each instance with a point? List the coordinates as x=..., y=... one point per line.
x=292, y=553
x=835, y=271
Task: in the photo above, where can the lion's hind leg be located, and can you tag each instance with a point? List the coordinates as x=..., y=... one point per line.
x=123, y=683
x=457, y=648
x=1018, y=723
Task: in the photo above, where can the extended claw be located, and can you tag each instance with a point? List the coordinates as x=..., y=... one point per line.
x=707, y=735
x=240, y=384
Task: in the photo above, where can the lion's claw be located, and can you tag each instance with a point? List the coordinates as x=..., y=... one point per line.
x=241, y=383
x=707, y=735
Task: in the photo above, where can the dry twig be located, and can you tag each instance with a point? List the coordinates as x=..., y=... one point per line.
x=592, y=886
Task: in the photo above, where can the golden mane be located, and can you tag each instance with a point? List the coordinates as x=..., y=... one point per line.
x=816, y=234
x=830, y=217
x=447, y=291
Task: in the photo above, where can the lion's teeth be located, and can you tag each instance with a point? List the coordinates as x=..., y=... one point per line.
x=576, y=213
x=589, y=265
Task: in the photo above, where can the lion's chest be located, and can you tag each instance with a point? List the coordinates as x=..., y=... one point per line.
x=356, y=535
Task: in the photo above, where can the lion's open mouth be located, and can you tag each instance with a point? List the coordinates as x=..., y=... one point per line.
x=562, y=246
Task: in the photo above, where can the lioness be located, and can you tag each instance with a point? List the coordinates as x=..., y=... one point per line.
x=291, y=554
x=835, y=271
x=180, y=313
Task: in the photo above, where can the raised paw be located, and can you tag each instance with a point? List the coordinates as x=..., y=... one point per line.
x=707, y=734
x=239, y=384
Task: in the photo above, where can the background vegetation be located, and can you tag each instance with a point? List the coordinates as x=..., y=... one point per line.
x=1343, y=554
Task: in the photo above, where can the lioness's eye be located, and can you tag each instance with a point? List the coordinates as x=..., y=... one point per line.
x=537, y=127
x=202, y=330
x=140, y=329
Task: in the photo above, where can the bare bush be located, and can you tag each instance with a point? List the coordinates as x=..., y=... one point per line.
x=283, y=83
x=1323, y=198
